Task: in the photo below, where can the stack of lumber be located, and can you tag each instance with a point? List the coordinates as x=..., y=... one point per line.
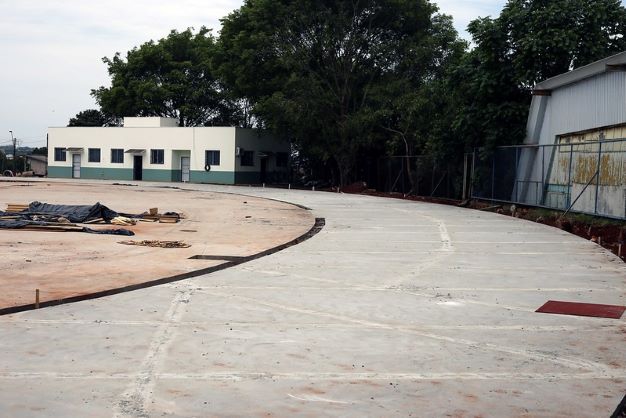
x=57, y=227
x=16, y=207
x=153, y=215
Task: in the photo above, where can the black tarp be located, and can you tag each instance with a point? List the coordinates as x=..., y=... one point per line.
x=45, y=213
x=73, y=213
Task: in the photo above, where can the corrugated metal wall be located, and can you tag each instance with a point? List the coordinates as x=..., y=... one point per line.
x=596, y=102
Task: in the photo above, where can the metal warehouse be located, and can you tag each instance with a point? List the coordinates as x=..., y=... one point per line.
x=575, y=154
x=156, y=149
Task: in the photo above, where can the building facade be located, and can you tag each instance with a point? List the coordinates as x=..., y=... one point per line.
x=156, y=149
x=575, y=148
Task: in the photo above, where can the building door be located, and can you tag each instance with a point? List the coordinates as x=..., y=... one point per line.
x=184, y=169
x=76, y=166
x=137, y=167
x=263, y=175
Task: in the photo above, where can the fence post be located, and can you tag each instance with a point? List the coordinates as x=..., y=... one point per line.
x=464, y=196
x=543, y=174
x=516, y=173
x=471, y=188
x=569, y=175
x=493, y=174
x=595, y=210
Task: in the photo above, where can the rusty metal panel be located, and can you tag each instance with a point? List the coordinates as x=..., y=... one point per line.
x=582, y=309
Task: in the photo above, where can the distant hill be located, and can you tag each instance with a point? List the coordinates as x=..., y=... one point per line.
x=8, y=149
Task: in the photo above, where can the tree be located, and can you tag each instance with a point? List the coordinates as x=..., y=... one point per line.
x=170, y=78
x=40, y=151
x=89, y=117
x=322, y=73
x=530, y=41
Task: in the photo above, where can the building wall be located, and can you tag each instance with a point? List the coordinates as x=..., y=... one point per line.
x=265, y=147
x=175, y=141
x=585, y=111
x=37, y=166
x=150, y=122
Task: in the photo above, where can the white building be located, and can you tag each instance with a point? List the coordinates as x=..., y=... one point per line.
x=580, y=118
x=156, y=149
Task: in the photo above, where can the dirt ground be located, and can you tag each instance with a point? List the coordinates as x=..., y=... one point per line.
x=66, y=264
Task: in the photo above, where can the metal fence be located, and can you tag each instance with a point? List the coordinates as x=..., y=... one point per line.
x=413, y=175
x=586, y=177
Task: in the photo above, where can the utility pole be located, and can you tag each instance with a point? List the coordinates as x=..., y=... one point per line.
x=14, y=148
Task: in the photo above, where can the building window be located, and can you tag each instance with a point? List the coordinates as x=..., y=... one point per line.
x=59, y=154
x=117, y=155
x=212, y=157
x=94, y=155
x=157, y=156
x=247, y=158
x=281, y=159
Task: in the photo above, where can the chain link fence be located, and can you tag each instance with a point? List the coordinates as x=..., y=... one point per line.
x=413, y=175
x=586, y=177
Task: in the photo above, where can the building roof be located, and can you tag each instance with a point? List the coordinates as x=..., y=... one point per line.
x=35, y=157
x=613, y=63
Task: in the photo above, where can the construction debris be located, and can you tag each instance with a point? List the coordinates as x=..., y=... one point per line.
x=16, y=207
x=155, y=243
x=38, y=216
x=123, y=221
x=154, y=216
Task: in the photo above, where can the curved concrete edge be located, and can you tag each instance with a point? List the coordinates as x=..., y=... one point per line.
x=317, y=227
x=185, y=189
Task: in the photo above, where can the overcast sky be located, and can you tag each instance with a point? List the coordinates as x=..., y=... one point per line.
x=51, y=50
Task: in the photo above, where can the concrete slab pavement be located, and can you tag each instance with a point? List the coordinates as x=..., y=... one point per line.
x=394, y=309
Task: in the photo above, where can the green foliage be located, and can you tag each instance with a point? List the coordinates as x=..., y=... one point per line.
x=530, y=41
x=40, y=151
x=346, y=80
x=170, y=78
x=89, y=117
x=331, y=75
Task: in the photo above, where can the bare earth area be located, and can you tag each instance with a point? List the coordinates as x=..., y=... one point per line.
x=394, y=309
x=66, y=264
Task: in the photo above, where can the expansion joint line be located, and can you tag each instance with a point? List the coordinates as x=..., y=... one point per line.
x=445, y=250
x=135, y=400
x=566, y=361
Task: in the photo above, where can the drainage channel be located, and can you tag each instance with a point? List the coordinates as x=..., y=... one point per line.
x=230, y=262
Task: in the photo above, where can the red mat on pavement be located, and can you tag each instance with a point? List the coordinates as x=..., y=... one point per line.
x=582, y=309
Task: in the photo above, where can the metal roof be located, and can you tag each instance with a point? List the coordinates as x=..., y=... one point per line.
x=36, y=157
x=613, y=63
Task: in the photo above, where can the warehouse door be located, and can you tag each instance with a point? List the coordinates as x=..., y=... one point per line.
x=76, y=166
x=184, y=169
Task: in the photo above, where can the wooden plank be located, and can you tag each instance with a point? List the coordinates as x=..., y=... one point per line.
x=168, y=220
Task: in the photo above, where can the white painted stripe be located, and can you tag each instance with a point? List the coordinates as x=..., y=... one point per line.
x=312, y=376
x=567, y=361
x=311, y=398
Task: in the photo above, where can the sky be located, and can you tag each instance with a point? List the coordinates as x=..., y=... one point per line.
x=51, y=50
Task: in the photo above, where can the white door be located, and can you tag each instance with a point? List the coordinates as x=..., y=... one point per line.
x=76, y=166
x=184, y=168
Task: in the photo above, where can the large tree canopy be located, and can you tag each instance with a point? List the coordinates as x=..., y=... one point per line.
x=530, y=41
x=171, y=78
x=89, y=117
x=328, y=74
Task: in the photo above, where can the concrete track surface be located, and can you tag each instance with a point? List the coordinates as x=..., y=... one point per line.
x=394, y=309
